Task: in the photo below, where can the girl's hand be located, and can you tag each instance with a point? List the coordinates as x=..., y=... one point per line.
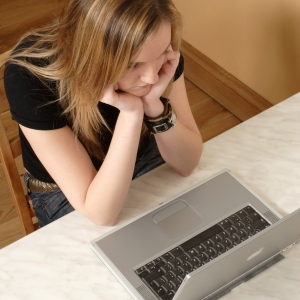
x=125, y=102
x=165, y=74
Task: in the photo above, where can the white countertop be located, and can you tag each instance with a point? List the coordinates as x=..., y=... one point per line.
x=56, y=262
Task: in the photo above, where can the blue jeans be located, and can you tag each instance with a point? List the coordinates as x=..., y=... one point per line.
x=50, y=206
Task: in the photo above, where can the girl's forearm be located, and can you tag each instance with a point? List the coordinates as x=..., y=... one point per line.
x=108, y=191
x=181, y=148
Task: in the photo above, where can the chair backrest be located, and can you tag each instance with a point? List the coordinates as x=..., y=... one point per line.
x=10, y=150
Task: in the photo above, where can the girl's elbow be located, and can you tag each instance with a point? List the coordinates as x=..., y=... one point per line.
x=103, y=220
x=188, y=171
x=106, y=223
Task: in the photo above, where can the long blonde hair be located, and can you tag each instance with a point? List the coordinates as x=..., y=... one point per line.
x=88, y=49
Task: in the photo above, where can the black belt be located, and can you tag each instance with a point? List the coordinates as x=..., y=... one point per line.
x=36, y=186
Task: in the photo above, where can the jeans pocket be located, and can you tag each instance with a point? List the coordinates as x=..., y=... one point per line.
x=50, y=206
x=55, y=205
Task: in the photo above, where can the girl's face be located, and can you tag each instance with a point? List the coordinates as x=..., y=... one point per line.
x=147, y=63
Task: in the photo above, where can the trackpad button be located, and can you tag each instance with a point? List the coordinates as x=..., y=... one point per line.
x=176, y=218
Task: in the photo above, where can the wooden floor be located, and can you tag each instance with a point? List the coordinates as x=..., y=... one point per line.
x=17, y=16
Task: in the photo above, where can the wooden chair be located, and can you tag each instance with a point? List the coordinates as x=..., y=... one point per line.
x=10, y=150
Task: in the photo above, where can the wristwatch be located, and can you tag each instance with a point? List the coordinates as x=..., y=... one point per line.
x=165, y=125
x=163, y=122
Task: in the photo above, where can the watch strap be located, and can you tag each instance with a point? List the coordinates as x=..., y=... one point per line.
x=163, y=122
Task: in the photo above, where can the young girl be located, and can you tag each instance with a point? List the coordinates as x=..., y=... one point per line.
x=87, y=94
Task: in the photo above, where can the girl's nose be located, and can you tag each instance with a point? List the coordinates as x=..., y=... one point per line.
x=150, y=74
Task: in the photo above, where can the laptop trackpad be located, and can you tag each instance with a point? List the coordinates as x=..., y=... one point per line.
x=176, y=218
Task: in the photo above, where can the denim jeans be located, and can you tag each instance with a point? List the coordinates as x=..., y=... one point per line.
x=50, y=206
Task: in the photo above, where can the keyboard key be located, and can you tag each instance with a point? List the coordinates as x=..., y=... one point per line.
x=173, y=264
x=176, y=251
x=230, y=230
x=212, y=253
x=167, y=257
x=188, y=267
x=238, y=225
x=196, y=263
x=141, y=270
x=223, y=234
x=160, y=291
x=167, y=267
x=168, y=296
x=226, y=243
x=249, y=210
x=216, y=239
x=185, y=268
x=160, y=264
x=143, y=273
x=180, y=272
x=246, y=221
x=169, y=276
x=157, y=260
x=264, y=226
x=220, y=248
x=152, y=268
x=177, y=272
x=201, y=248
x=249, y=229
x=149, y=265
x=258, y=223
x=203, y=257
x=242, y=214
x=169, y=286
x=160, y=281
x=241, y=234
x=183, y=257
x=234, y=219
x=254, y=216
x=208, y=243
x=235, y=239
x=176, y=262
x=177, y=282
x=225, y=223
x=153, y=275
x=192, y=252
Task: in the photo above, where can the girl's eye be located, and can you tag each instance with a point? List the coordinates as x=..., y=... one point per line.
x=133, y=66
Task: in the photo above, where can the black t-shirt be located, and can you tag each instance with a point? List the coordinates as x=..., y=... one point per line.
x=33, y=104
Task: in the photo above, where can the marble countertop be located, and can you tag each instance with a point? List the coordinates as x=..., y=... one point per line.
x=56, y=262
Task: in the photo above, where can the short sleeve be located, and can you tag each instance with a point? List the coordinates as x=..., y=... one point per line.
x=180, y=68
x=32, y=103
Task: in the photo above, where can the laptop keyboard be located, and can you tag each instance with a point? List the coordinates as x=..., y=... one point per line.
x=164, y=274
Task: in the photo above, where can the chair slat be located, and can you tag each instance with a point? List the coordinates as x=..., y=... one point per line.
x=13, y=180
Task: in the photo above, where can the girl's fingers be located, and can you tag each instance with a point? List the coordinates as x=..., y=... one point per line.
x=170, y=64
x=173, y=57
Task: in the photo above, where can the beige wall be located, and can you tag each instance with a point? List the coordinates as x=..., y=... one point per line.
x=257, y=41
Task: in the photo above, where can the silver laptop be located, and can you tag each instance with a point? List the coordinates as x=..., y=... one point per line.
x=199, y=245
